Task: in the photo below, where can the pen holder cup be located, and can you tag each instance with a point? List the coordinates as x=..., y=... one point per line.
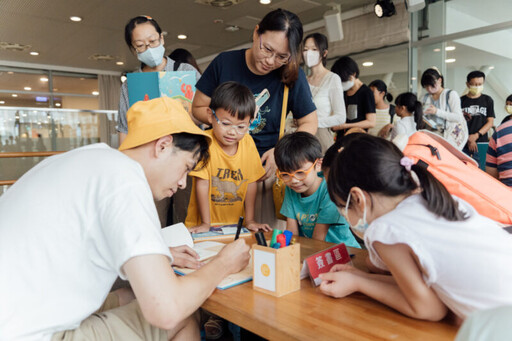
x=276, y=271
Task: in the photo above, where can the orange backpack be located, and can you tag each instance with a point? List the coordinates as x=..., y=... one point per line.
x=461, y=176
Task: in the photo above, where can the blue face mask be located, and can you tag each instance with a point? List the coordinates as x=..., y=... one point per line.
x=361, y=226
x=152, y=56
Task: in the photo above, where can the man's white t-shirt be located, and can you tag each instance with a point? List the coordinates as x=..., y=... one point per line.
x=66, y=228
x=467, y=263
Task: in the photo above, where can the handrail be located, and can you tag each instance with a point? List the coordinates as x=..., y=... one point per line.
x=24, y=154
x=28, y=154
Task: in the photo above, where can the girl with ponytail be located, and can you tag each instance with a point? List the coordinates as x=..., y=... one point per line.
x=410, y=110
x=441, y=254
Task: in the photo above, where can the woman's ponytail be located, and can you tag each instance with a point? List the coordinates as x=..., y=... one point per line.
x=418, y=115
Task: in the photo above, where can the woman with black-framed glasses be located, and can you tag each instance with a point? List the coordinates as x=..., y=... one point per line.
x=144, y=38
x=269, y=64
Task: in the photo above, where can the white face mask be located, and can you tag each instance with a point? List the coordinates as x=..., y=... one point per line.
x=311, y=58
x=361, y=226
x=347, y=85
x=152, y=56
x=508, y=108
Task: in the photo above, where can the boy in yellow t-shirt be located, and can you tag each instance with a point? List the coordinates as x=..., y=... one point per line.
x=226, y=187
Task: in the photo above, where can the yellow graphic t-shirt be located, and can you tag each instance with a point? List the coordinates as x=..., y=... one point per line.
x=229, y=176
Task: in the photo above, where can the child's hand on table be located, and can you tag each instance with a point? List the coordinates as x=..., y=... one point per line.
x=254, y=226
x=204, y=227
x=341, y=281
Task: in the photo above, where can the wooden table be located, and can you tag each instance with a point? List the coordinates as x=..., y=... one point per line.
x=307, y=314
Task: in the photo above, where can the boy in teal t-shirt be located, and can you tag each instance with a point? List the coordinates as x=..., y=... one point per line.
x=307, y=205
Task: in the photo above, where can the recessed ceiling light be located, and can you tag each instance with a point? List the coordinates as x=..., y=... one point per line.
x=27, y=88
x=119, y=63
x=34, y=53
x=2, y=102
x=367, y=64
x=232, y=28
x=82, y=78
x=43, y=79
x=182, y=36
x=10, y=73
x=437, y=50
x=450, y=60
x=265, y=2
x=95, y=93
x=491, y=67
x=55, y=89
x=413, y=78
x=58, y=104
x=75, y=18
x=449, y=48
x=14, y=95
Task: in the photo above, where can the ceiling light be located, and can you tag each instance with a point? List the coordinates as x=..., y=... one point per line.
x=34, y=53
x=119, y=63
x=27, y=88
x=437, y=50
x=95, y=93
x=182, y=36
x=232, y=28
x=449, y=48
x=14, y=95
x=367, y=64
x=58, y=104
x=2, y=102
x=75, y=18
x=43, y=79
x=491, y=67
x=450, y=60
x=384, y=8
x=265, y=2
x=413, y=78
x=10, y=73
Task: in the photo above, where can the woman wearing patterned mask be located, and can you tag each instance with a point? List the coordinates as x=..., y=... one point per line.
x=325, y=88
x=144, y=38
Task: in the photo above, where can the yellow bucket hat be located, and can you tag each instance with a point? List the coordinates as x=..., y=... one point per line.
x=150, y=120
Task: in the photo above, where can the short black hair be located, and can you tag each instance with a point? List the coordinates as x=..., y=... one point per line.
x=235, y=98
x=430, y=77
x=130, y=26
x=197, y=144
x=509, y=99
x=293, y=150
x=475, y=74
x=345, y=67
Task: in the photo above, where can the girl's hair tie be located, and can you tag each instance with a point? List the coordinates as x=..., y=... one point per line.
x=406, y=163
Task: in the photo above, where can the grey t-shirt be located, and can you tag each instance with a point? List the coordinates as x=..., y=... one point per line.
x=122, y=122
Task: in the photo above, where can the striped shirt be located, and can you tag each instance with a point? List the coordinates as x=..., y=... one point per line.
x=499, y=153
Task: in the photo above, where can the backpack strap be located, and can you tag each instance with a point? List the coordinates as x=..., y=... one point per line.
x=448, y=100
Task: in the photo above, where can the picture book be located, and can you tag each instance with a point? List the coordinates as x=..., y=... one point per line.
x=178, y=234
x=179, y=85
x=220, y=232
x=323, y=261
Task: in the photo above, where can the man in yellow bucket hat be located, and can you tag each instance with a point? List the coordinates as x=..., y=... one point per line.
x=94, y=219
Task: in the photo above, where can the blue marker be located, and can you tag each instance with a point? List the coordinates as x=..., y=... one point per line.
x=288, y=235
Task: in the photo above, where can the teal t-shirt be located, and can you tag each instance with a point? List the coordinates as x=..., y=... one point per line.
x=317, y=208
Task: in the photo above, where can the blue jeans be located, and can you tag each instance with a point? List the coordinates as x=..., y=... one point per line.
x=474, y=155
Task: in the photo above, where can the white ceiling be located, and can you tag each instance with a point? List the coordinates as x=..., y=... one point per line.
x=44, y=25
